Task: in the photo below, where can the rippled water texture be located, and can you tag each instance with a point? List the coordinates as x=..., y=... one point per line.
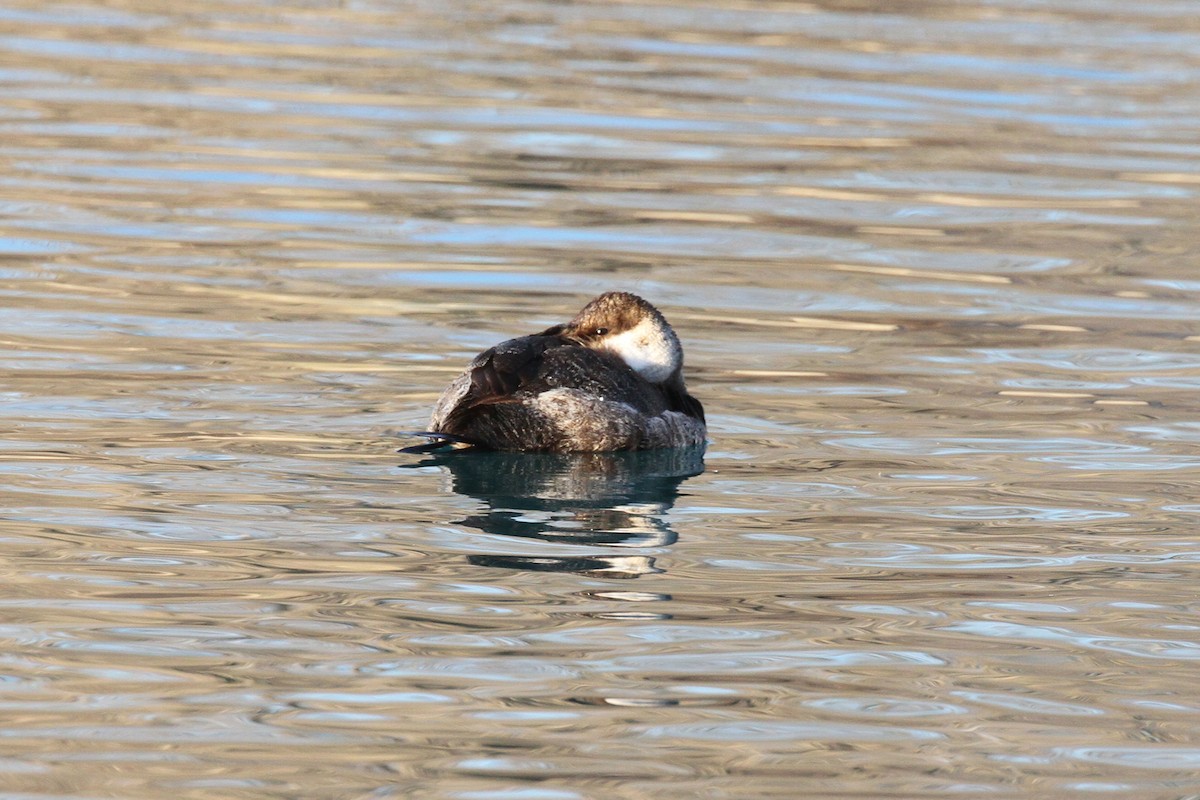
x=935, y=268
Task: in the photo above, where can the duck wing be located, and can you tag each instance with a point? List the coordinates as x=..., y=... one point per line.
x=511, y=365
x=496, y=376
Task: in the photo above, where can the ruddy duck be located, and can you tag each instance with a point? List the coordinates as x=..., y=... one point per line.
x=610, y=379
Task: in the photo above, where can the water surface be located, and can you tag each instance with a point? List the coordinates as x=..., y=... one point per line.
x=934, y=267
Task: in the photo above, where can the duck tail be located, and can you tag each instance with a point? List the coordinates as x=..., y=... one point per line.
x=438, y=442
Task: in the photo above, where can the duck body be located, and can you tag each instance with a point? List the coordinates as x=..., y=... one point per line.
x=610, y=379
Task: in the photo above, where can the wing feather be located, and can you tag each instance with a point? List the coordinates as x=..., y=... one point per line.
x=497, y=374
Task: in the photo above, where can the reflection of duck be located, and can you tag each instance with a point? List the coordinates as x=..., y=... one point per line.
x=609, y=499
x=610, y=379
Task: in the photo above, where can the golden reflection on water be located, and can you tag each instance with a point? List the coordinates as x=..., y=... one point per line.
x=934, y=270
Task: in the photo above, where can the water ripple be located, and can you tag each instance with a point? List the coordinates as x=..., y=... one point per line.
x=732, y=662
x=983, y=445
x=772, y=730
x=1144, y=648
x=1163, y=757
x=935, y=276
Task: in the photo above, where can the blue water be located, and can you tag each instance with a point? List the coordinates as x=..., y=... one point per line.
x=934, y=273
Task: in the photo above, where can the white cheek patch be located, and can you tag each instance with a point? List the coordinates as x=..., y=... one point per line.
x=646, y=349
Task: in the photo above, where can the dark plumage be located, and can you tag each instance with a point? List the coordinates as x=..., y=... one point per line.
x=610, y=379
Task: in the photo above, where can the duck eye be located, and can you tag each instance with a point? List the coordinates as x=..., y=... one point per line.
x=600, y=331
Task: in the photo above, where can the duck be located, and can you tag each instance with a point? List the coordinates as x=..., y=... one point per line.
x=610, y=379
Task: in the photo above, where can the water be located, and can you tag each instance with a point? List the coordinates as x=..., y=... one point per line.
x=934, y=267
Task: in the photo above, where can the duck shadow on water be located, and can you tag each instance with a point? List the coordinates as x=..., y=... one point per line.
x=603, y=499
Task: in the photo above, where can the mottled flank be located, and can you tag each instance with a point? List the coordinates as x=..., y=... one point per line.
x=610, y=379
